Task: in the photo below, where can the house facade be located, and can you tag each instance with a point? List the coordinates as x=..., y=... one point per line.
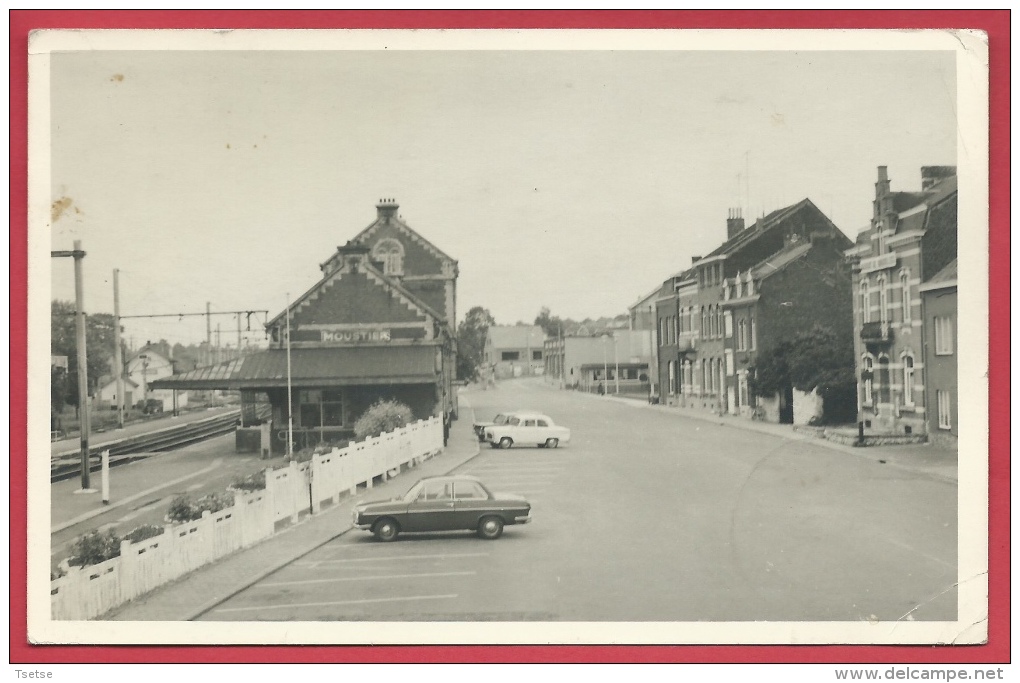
x=515, y=350
x=911, y=240
x=141, y=370
x=938, y=309
x=712, y=318
x=620, y=361
x=377, y=325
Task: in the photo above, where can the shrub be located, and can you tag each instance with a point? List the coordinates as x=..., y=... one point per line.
x=382, y=417
x=144, y=532
x=94, y=547
x=251, y=482
x=183, y=509
x=214, y=502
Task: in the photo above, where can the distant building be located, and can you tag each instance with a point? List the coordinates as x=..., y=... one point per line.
x=901, y=264
x=515, y=350
x=582, y=362
x=140, y=371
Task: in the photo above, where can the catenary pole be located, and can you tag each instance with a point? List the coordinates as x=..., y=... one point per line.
x=118, y=361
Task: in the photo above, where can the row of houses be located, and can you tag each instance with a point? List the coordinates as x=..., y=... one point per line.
x=893, y=291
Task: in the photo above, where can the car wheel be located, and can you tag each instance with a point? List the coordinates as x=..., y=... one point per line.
x=552, y=443
x=386, y=529
x=506, y=442
x=490, y=528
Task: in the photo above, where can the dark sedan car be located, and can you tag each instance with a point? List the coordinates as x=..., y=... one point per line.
x=449, y=503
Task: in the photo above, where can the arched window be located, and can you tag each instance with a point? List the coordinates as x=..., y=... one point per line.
x=865, y=302
x=883, y=301
x=391, y=253
x=905, y=294
x=867, y=376
x=908, y=379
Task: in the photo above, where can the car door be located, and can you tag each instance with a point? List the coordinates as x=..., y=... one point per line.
x=433, y=509
x=530, y=433
x=544, y=430
x=471, y=501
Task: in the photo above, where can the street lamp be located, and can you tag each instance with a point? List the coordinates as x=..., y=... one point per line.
x=605, y=363
x=616, y=359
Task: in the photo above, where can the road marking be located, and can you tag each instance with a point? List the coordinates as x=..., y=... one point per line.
x=338, y=603
x=443, y=556
x=358, y=578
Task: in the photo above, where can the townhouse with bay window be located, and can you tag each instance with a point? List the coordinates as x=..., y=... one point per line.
x=904, y=283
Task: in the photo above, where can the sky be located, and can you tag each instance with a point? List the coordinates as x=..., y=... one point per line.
x=573, y=179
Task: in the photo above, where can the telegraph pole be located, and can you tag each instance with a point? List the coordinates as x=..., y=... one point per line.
x=208, y=334
x=290, y=399
x=238, y=335
x=118, y=362
x=83, y=389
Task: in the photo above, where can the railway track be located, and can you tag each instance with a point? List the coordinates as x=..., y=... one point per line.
x=67, y=465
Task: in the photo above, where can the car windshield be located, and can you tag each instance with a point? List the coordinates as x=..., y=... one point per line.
x=500, y=419
x=412, y=493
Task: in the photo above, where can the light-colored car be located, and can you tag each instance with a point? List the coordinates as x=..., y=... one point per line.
x=499, y=419
x=527, y=428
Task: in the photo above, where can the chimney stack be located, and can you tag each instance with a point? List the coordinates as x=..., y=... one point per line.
x=932, y=175
x=882, y=186
x=734, y=223
x=387, y=208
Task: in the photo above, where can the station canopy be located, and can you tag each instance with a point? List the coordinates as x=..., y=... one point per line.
x=320, y=367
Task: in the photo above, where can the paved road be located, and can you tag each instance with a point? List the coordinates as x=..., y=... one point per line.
x=647, y=516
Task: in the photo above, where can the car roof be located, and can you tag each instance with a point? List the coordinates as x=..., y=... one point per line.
x=451, y=477
x=528, y=413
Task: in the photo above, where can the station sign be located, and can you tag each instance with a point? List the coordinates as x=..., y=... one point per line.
x=354, y=336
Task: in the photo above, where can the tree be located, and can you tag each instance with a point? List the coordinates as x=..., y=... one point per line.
x=64, y=342
x=814, y=359
x=471, y=341
x=551, y=325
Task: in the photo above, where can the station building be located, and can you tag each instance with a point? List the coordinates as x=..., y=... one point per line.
x=379, y=324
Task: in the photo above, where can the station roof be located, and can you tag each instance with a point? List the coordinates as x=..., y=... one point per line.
x=318, y=367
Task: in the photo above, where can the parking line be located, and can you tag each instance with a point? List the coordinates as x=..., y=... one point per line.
x=358, y=578
x=312, y=563
x=339, y=603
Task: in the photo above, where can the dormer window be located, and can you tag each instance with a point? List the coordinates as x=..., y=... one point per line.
x=391, y=253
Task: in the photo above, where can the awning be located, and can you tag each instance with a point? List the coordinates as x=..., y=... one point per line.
x=324, y=367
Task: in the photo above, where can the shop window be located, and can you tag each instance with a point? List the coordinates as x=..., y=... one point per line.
x=321, y=408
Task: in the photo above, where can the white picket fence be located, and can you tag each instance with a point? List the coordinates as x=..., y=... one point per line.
x=87, y=592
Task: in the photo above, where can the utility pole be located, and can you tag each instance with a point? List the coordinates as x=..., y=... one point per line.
x=219, y=352
x=118, y=361
x=290, y=398
x=616, y=359
x=238, y=335
x=83, y=389
x=208, y=334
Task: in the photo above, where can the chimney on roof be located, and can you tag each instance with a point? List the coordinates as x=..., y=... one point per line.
x=932, y=175
x=734, y=223
x=695, y=259
x=387, y=208
x=882, y=186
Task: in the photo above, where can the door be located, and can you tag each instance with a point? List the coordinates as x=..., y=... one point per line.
x=470, y=502
x=433, y=509
x=786, y=405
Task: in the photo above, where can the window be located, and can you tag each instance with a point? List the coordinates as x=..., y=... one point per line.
x=676, y=327
x=883, y=379
x=865, y=302
x=883, y=301
x=672, y=377
x=905, y=295
x=741, y=335
x=536, y=355
x=514, y=421
x=510, y=355
x=908, y=380
x=945, y=410
x=542, y=423
x=468, y=491
x=754, y=333
x=943, y=336
x=869, y=369
x=704, y=322
x=530, y=423
x=687, y=319
x=321, y=408
x=435, y=490
x=391, y=253
x=742, y=393
x=728, y=324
